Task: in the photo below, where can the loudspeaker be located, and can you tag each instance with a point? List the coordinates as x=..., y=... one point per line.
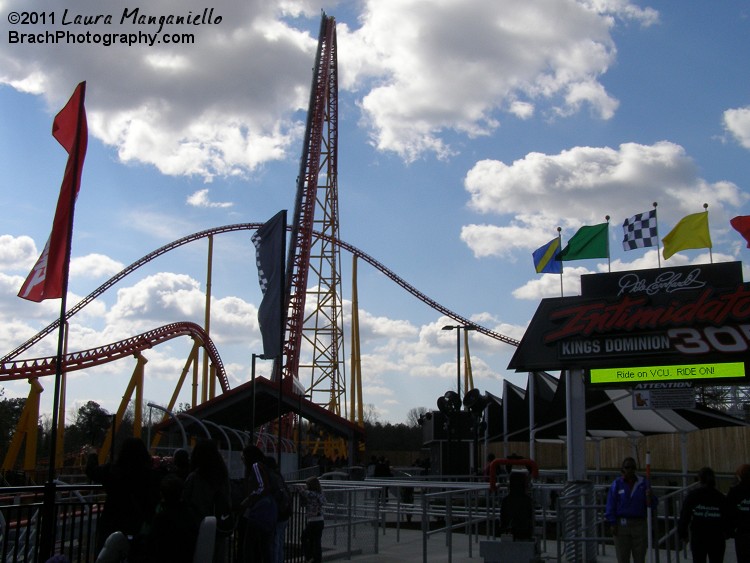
x=436, y=429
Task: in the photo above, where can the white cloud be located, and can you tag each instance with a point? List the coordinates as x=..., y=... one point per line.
x=378, y=390
x=200, y=199
x=95, y=266
x=542, y=192
x=737, y=122
x=228, y=103
x=428, y=68
x=522, y=110
x=207, y=108
x=17, y=253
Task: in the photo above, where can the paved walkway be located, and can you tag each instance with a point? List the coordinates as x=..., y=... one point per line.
x=409, y=549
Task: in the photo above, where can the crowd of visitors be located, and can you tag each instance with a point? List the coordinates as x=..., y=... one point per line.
x=152, y=513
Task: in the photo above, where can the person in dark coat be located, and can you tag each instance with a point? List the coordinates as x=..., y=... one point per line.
x=181, y=464
x=259, y=510
x=172, y=535
x=738, y=499
x=207, y=491
x=704, y=520
x=517, y=508
x=131, y=490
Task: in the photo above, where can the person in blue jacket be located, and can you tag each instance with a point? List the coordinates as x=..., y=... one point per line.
x=628, y=500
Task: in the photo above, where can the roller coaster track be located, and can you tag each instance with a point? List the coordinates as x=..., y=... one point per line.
x=25, y=368
x=41, y=367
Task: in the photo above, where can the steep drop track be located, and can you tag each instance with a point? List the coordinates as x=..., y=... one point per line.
x=20, y=369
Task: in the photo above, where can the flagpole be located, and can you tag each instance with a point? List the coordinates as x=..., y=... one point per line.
x=252, y=409
x=48, y=519
x=710, y=250
x=658, y=244
x=562, y=266
x=609, y=260
x=282, y=322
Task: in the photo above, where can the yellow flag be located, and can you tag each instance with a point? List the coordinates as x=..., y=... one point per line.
x=690, y=232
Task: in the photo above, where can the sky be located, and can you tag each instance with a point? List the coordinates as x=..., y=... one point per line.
x=469, y=131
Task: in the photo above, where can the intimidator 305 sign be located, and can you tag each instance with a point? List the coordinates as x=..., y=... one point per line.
x=671, y=324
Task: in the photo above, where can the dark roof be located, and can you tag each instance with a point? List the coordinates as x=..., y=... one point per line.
x=233, y=409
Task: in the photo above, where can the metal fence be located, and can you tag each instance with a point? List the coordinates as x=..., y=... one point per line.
x=76, y=511
x=352, y=520
x=357, y=513
x=582, y=533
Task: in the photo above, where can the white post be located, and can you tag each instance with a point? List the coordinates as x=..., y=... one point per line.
x=576, y=424
x=649, y=521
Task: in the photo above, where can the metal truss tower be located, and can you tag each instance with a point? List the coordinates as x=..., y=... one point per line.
x=732, y=399
x=314, y=331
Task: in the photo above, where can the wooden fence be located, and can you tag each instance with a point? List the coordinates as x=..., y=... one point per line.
x=723, y=449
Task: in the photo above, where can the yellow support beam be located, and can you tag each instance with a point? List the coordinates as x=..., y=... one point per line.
x=191, y=360
x=60, y=442
x=468, y=378
x=26, y=429
x=209, y=389
x=356, y=412
x=135, y=384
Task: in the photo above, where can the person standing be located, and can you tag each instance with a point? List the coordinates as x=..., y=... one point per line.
x=488, y=465
x=628, y=499
x=283, y=499
x=132, y=491
x=313, y=500
x=207, y=492
x=704, y=520
x=517, y=508
x=171, y=537
x=259, y=510
x=738, y=500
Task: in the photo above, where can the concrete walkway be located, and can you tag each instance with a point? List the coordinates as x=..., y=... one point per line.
x=409, y=550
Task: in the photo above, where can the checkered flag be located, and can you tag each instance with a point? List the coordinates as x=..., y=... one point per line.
x=262, y=276
x=640, y=231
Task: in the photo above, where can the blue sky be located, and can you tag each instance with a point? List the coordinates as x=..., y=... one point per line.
x=469, y=130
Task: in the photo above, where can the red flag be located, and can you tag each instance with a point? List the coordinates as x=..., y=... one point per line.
x=741, y=224
x=45, y=281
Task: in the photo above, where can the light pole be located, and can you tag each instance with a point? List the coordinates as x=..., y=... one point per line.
x=458, y=328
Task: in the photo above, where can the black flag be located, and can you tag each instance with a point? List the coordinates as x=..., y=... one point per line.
x=269, y=254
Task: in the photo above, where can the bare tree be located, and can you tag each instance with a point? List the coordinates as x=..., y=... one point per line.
x=370, y=414
x=413, y=416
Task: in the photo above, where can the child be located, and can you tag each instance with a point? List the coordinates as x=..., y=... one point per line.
x=313, y=500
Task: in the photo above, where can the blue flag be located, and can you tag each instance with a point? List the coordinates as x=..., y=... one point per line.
x=545, y=258
x=269, y=254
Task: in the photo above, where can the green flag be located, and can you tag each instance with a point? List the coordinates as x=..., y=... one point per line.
x=588, y=242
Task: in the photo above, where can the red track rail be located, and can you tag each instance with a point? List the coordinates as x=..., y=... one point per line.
x=7, y=360
x=40, y=367
x=422, y=297
x=122, y=274
x=321, y=105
